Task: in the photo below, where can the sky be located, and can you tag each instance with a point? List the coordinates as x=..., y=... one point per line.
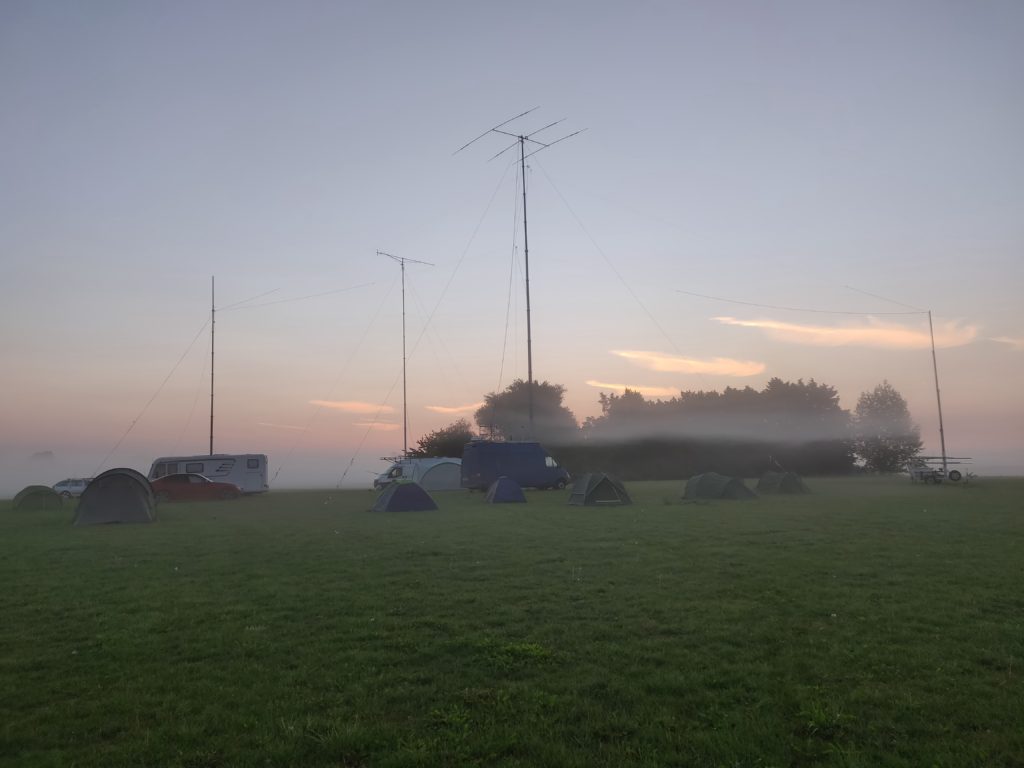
x=860, y=158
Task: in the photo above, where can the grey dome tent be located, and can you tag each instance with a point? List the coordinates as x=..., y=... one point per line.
x=781, y=482
x=37, y=497
x=598, y=489
x=116, y=496
x=444, y=475
x=404, y=497
x=711, y=485
x=505, y=490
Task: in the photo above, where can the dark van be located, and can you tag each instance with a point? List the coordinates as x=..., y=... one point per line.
x=484, y=461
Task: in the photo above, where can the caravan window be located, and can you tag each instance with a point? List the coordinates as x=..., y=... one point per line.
x=194, y=466
x=550, y=463
x=252, y=463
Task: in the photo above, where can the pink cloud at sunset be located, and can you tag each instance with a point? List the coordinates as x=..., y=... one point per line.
x=447, y=409
x=645, y=391
x=353, y=406
x=1016, y=343
x=720, y=366
x=382, y=426
x=279, y=426
x=873, y=333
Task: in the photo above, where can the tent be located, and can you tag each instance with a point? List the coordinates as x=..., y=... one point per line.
x=712, y=485
x=433, y=474
x=505, y=490
x=37, y=497
x=442, y=475
x=781, y=482
x=403, y=497
x=116, y=496
x=598, y=489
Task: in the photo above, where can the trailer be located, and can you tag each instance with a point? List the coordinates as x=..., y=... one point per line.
x=935, y=469
x=246, y=470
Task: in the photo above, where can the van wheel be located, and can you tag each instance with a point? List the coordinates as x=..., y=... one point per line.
x=560, y=485
x=66, y=494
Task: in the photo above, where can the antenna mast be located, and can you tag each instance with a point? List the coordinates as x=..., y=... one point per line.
x=405, y=411
x=526, y=263
x=938, y=397
x=935, y=368
x=213, y=322
x=520, y=140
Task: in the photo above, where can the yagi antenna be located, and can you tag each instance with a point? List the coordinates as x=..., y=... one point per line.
x=499, y=125
x=405, y=409
x=536, y=145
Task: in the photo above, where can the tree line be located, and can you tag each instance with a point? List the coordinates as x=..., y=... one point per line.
x=795, y=426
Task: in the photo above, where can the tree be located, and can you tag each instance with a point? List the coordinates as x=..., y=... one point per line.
x=507, y=414
x=886, y=437
x=799, y=425
x=444, y=443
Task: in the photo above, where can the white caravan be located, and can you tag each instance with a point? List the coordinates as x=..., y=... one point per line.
x=432, y=474
x=246, y=470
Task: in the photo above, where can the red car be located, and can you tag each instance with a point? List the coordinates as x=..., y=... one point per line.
x=192, y=487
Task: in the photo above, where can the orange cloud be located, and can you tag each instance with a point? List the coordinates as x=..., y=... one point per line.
x=874, y=333
x=383, y=426
x=454, y=408
x=721, y=366
x=646, y=391
x=353, y=406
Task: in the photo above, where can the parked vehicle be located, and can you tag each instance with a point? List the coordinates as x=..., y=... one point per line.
x=930, y=469
x=484, y=461
x=189, y=486
x=246, y=470
x=437, y=474
x=73, y=486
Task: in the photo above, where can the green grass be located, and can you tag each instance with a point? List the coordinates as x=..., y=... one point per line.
x=872, y=623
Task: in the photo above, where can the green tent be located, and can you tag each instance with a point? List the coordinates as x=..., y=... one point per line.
x=711, y=485
x=117, y=496
x=37, y=497
x=781, y=482
x=598, y=489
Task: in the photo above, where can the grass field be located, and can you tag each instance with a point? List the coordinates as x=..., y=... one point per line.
x=870, y=623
